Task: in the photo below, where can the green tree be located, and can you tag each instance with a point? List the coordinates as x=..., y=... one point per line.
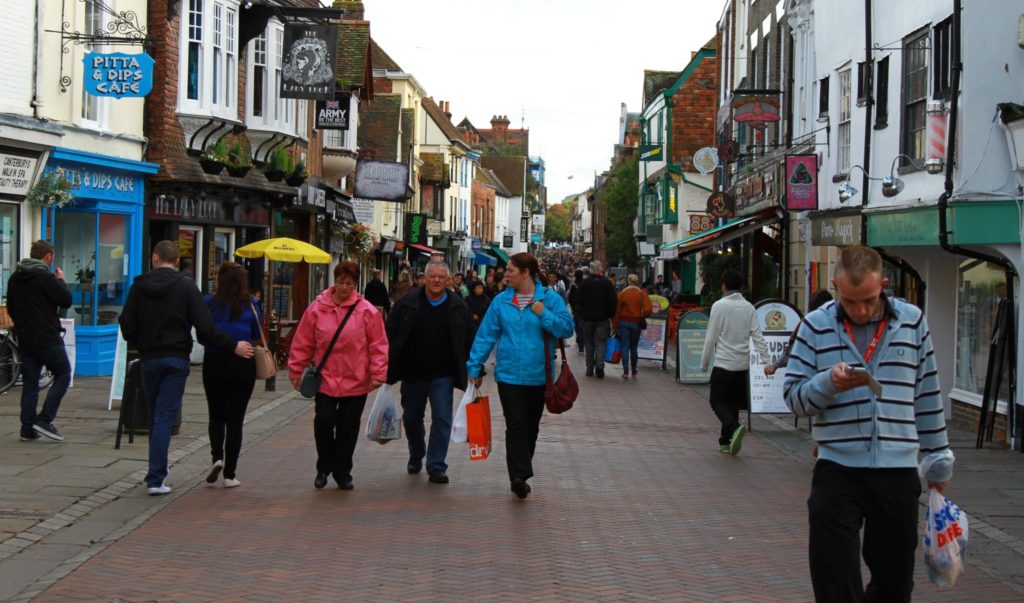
x=618, y=200
x=557, y=226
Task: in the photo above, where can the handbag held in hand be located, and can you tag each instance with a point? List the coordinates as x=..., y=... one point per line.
x=562, y=392
x=309, y=383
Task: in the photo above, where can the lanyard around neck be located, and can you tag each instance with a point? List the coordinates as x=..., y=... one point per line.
x=874, y=340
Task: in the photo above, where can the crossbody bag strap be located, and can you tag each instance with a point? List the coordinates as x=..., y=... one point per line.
x=334, y=340
x=547, y=361
x=255, y=314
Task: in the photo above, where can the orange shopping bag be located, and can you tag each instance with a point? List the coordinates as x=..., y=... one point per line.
x=478, y=419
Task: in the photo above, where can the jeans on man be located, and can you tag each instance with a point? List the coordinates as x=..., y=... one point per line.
x=629, y=342
x=414, y=405
x=54, y=358
x=163, y=380
x=595, y=337
x=577, y=324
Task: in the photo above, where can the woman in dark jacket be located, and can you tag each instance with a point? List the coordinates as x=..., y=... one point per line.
x=478, y=303
x=228, y=379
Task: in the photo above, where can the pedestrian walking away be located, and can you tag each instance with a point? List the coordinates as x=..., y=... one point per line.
x=228, y=380
x=376, y=292
x=429, y=335
x=577, y=322
x=163, y=306
x=596, y=299
x=516, y=323
x=356, y=364
x=630, y=311
x=34, y=297
x=868, y=439
x=731, y=327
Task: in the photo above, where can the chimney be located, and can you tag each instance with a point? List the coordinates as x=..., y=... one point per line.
x=448, y=109
x=353, y=9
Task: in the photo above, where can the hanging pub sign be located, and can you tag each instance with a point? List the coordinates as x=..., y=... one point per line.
x=706, y=160
x=721, y=204
x=118, y=75
x=416, y=229
x=755, y=110
x=331, y=115
x=801, y=182
x=310, y=53
x=506, y=241
x=383, y=180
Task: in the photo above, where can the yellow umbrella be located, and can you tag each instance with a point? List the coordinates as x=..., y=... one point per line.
x=660, y=300
x=283, y=249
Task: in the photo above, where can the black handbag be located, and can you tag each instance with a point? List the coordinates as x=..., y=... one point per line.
x=309, y=383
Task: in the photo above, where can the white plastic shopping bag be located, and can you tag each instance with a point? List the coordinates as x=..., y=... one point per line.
x=385, y=422
x=460, y=427
x=945, y=540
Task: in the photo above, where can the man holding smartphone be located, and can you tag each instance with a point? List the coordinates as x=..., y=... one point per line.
x=868, y=438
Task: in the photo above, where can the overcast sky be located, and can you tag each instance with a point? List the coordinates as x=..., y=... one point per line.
x=560, y=67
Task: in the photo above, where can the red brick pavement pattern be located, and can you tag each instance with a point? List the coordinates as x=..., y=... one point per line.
x=632, y=501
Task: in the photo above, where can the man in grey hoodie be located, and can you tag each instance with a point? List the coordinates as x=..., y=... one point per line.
x=34, y=296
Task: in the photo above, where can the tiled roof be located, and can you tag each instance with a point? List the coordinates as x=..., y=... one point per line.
x=378, y=126
x=509, y=171
x=490, y=178
x=442, y=120
x=712, y=44
x=433, y=168
x=381, y=59
x=656, y=82
x=408, y=125
x=353, y=54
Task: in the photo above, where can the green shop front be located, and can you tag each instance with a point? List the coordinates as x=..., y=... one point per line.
x=98, y=241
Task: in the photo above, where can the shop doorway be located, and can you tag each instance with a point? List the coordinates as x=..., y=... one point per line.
x=190, y=245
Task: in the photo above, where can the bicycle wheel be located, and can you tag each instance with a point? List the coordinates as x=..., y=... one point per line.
x=10, y=362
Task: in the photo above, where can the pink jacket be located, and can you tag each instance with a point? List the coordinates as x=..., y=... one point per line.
x=361, y=353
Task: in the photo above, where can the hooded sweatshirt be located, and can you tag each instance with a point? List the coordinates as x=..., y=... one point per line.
x=33, y=297
x=162, y=307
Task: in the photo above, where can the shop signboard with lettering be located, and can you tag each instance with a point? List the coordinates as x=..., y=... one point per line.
x=652, y=339
x=363, y=208
x=836, y=230
x=16, y=173
x=117, y=74
x=416, y=229
x=801, y=182
x=524, y=228
x=907, y=228
x=332, y=115
x=310, y=53
x=383, y=180
x=777, y=319
x=693, y=329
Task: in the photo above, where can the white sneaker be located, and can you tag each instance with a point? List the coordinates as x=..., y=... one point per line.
x=214, y=473
x=231, y=483
x=159, y=490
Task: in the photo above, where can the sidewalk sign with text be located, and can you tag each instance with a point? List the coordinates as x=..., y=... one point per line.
x=777, y=319
x=693, y=328
x=117, y=379
x=652, y=340
x=70, y=345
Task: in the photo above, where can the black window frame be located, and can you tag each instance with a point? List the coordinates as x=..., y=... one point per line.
x=882, y=93
x=823, y=98
x=942, y=59
x=863, y=83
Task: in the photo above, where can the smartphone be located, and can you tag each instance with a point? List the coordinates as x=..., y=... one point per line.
x=859, y=370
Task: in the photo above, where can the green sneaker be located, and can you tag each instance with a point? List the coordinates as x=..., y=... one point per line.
x=736, y=442
x=723, y=448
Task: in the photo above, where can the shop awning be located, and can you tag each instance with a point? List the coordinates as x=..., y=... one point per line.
x=425, y=249
x=500, y=253
x=483, y=259
x=721, y=234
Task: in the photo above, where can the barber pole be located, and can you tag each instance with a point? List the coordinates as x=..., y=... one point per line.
x=935, y=139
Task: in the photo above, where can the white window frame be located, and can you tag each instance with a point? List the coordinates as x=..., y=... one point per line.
x=102, y=104
x=845, y=121
x=285, y=115
x=218, y=53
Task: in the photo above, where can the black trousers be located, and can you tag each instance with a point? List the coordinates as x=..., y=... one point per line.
x=523, y=406
x=885, y=502
x=336, y=429
x=728, y=397
x=228, y=381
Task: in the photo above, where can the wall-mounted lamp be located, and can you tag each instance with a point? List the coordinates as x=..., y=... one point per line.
x=845, y=192
x=891, y=185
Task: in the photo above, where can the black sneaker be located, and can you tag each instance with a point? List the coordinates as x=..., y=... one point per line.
x=438, y=477
x=590, y=372
x=48, y=430
x=521, y=488
x=29, y=436
x=600, y=373
x=414, y=467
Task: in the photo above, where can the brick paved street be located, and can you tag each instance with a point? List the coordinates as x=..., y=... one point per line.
x=632, y=501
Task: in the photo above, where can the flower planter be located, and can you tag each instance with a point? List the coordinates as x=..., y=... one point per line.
x=295, y=180
x=211, y=166
x=238, y=171
x=274, y=175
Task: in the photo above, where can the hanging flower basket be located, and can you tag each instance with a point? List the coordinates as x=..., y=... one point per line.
x=359, y=240
x=211, y=166
x=238, y=171
x=52, y=190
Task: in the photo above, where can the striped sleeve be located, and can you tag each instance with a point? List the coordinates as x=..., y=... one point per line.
x=807, y=390
x=929, y=415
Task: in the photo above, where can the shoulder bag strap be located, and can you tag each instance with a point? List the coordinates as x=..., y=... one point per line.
x=255, y=315
x=323, y=361
x=547, y=361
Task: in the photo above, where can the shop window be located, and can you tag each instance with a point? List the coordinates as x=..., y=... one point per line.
x=90, y=248
x=8, y=244
x=980, y=289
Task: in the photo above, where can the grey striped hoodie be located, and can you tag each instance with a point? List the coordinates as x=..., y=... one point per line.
x=854, y=428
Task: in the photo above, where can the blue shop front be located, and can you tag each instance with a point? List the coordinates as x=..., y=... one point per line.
x=98, y=241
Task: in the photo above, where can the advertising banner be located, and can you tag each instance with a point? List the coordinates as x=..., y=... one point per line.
x=383, y=180
x=777, y=320
x=652, y=340
x=693, y=329
x=332, y=114
x=801, y=182
x=16, y=173
x=310, y=53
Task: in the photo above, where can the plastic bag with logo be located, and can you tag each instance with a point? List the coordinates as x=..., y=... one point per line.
x=385, y=422
x=945, y=540
x=459, y=424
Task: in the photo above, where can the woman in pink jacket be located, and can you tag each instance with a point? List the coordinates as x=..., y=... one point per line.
x=357, y=364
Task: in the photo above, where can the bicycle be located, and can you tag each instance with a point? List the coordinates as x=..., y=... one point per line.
x=10, y=363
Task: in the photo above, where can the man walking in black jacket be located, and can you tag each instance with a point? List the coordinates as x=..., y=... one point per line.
x=376, y=292
x=33, y=297
x=596, y=300
x=162, y=307
x=429, y=334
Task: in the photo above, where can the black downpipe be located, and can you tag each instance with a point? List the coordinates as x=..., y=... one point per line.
x=868, y=106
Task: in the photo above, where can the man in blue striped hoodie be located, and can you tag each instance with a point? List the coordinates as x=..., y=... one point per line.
x=868, y=442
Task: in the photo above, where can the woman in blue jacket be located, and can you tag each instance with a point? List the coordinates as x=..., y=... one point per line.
x=517, y=321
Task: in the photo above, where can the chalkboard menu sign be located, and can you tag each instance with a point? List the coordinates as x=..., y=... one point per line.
x=693, y=328
x=281, y=301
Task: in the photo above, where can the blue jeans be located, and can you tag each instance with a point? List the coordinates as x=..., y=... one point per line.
x=595, y=336
x=629, y=341
x=414, y=405
x=54, y=358
x=578, y=327
x=163, y=380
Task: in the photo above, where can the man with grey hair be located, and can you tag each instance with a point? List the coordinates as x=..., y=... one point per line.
x=596, y=300
x=430, y=335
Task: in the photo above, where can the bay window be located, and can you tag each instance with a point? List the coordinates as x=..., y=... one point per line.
x=266, y=110
x=209, y=58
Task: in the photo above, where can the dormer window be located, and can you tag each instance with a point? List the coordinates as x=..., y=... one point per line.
x=209, y=59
